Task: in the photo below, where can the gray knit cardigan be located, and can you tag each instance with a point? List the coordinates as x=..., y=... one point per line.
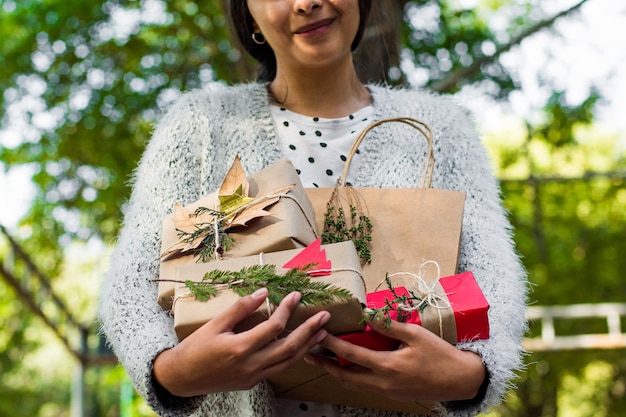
x=190, y=151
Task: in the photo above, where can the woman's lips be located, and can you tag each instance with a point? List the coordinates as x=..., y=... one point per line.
x=315, y=27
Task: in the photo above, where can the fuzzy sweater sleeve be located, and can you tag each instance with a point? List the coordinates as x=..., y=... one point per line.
x=486, y=249
x=134, y=324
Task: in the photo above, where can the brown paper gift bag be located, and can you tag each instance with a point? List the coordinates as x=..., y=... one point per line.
x=291, y=225
x=190, y=314
x=409, y=225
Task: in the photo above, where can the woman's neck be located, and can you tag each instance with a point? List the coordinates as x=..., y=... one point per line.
x=323, y=93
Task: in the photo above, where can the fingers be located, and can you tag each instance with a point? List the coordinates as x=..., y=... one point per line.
x=267, y=331
x=404, y=332
x=242, y=308
x=285, y=352
x=261, y=344
x=356, y=354
x=410, y=335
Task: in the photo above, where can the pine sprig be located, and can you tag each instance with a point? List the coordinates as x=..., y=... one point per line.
x=358, y=229
x=249, y=279
x=206, y=231
x=200, y=291
x=383, y=313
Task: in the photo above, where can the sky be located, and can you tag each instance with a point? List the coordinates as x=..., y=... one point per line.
x=589, y=51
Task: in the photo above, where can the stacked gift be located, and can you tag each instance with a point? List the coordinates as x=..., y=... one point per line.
x=266, y=242
x=265, y=212
x=335, y=265
x=452, y=307
x=394, y=229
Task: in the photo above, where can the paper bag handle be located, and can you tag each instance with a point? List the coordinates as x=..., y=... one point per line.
x=422, y=127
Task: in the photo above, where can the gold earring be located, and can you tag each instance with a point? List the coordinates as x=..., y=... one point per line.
x=258, y=38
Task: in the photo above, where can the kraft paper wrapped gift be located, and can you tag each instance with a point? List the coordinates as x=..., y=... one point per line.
x=457, y=312
x=190, y=314
x=290, y=225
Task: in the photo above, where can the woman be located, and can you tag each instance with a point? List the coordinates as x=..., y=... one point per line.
x=308, y=106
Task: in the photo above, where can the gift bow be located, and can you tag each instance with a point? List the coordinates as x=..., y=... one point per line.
x=434, y=310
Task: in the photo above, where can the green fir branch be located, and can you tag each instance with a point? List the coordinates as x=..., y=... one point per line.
x=206, y=231
x=249, y=279
x=336, y=230
x=383, y=313
x=201, y=292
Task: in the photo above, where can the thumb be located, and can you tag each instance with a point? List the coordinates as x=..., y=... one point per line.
x=242, y=308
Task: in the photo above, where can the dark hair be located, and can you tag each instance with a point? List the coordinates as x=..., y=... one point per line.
x=242, y=23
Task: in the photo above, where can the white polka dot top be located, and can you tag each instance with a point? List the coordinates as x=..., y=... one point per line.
x=317, y=147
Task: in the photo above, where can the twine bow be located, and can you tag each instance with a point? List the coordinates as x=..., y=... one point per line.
x=432, y=295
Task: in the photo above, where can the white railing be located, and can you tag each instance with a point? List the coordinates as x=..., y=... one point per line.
x=614, y=338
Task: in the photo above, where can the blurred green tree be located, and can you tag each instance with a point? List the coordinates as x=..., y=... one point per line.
x=563, y=181
x=83, y=82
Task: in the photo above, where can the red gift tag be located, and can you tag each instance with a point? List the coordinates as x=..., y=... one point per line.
x=311, y=255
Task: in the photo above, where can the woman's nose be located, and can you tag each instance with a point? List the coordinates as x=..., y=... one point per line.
x=306, y=6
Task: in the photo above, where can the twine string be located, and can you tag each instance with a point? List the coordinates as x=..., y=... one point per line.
x=288, y=195
x=427, y=292
x=333, y=270
x=268, y=303
x=216, y=230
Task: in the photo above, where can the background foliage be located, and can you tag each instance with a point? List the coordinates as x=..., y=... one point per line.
x=83, y=82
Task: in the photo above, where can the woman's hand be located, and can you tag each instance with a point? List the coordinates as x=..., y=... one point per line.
x=215, y=359
x=425, y=367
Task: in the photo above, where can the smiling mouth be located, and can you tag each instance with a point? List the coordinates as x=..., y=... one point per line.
x=314, y=26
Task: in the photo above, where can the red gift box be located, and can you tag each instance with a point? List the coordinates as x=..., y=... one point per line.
x=463, y=318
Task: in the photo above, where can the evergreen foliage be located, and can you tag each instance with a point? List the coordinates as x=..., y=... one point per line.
x=339, y=229
x=249, y=279
x=208, y=246
x=383, y=313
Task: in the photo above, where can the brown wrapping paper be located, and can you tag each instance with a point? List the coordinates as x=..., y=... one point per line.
x=190, y=314
x=290, y=226
x=438, y=316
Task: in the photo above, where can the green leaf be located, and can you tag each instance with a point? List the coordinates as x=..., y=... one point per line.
x=232, y=202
